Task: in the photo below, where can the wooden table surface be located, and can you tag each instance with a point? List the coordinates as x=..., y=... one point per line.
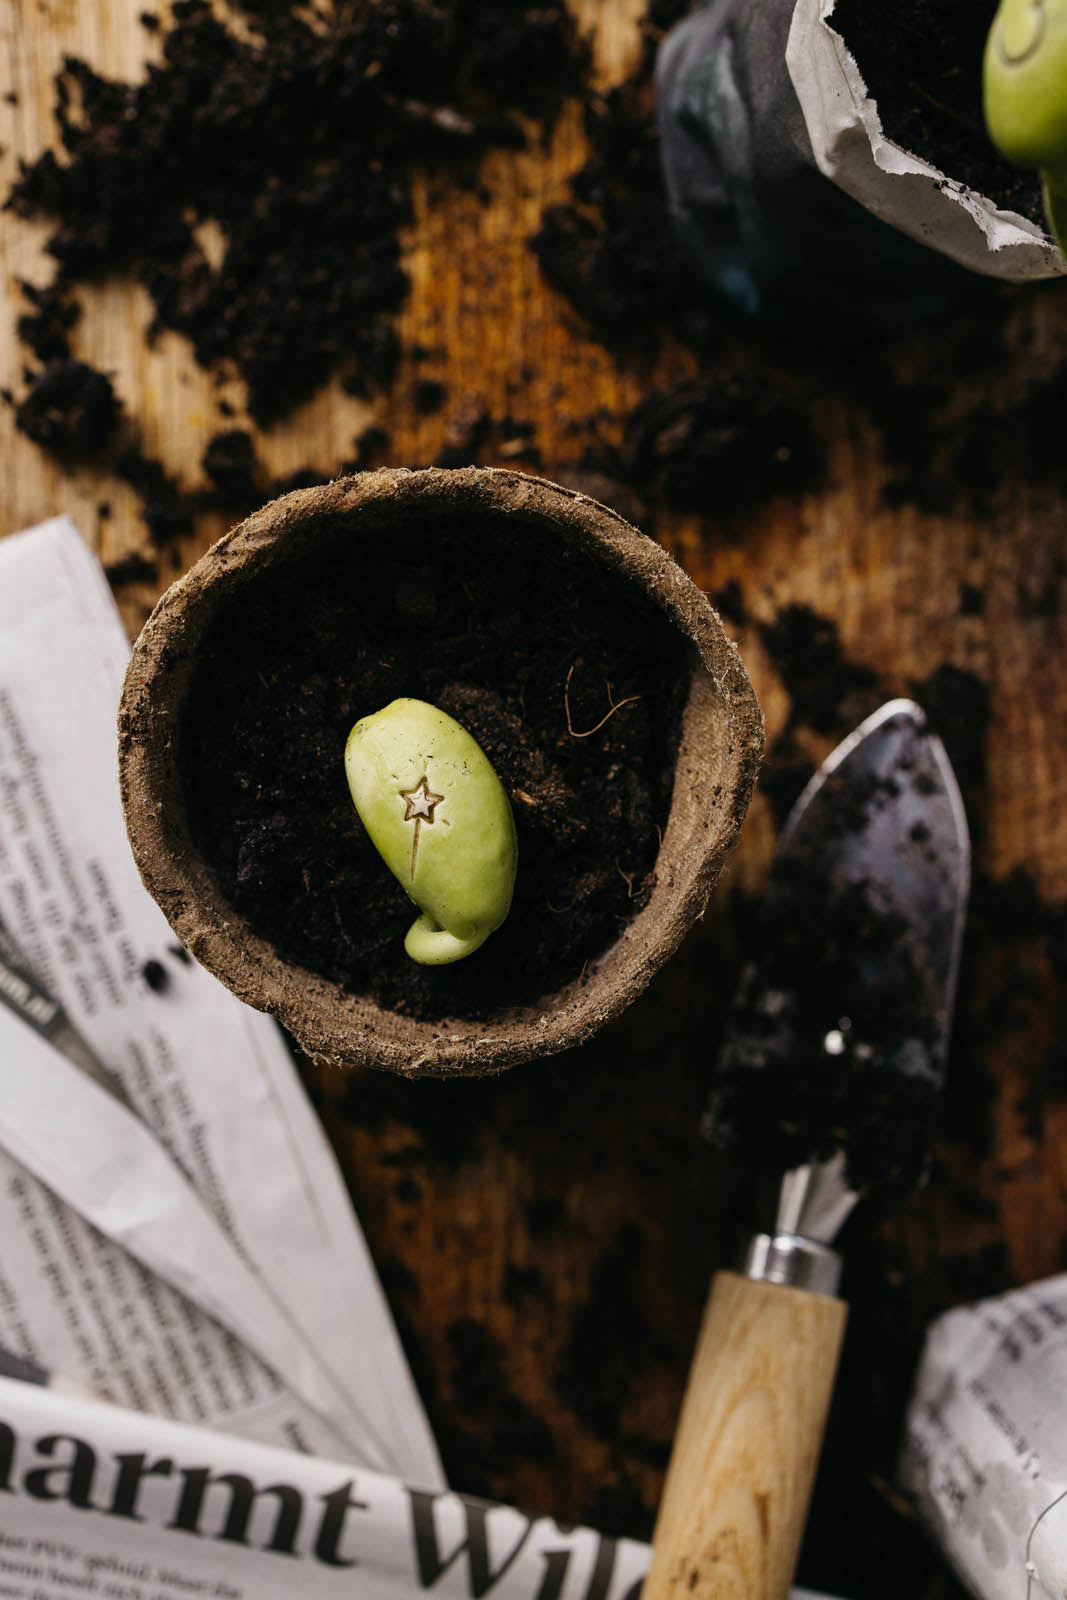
x=546, y=1237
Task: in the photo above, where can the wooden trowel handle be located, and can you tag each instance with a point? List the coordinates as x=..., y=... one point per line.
x=736, y=1495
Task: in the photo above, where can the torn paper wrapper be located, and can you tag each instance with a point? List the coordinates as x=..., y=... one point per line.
x=852, y=150
x=985, y=1452
x=187, y=1245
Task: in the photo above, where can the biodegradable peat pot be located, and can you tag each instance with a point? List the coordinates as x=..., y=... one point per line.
x=320, y=568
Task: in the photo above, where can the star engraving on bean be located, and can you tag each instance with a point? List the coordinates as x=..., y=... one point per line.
x=420, y=802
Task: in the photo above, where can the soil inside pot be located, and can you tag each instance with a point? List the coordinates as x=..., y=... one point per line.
x=568, y=677
x=922, y=64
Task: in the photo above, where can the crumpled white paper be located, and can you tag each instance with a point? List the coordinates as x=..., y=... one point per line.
x=260, y=1311
x=853, y=151
x=985, y=1452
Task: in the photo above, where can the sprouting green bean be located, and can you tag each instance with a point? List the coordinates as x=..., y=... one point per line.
x=1025, y=94
x=438, y=815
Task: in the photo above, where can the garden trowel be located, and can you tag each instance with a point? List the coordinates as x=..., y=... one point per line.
x=829, y=1074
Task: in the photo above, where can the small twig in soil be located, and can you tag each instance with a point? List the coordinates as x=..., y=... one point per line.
x=628, y=880
x=598, y=725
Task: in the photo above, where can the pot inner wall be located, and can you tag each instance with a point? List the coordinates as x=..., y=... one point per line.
x=567, y=673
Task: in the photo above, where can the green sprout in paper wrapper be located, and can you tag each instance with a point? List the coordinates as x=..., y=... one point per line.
x=438, y=816
x=1025, y=88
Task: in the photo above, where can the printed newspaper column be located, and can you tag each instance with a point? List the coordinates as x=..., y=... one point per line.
x=120, y=1180
x=210, y=1083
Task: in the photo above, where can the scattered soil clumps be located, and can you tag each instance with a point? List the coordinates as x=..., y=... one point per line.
x=280, y=259
x=200, y=158
x=828, y=693
x=609, y=247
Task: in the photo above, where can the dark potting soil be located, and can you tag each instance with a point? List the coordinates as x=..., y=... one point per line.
x=45, y=328
x=954, y=434
x=728, y=441
x=922, y=64
x=579, y=715
x=609, y=245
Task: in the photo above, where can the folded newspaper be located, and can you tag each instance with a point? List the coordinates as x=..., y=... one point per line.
x=262, y=1435
x=985, y=1452
x=100, y=1501
x=144, y=1256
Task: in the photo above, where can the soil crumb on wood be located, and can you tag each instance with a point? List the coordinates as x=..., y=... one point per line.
x=69, y=409
x=279, y=260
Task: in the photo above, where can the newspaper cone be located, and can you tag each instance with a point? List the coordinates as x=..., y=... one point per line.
x=787, y=196
x=718, y=756
x=896, y=185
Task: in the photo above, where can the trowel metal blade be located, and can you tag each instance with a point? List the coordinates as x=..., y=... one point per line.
x=838, y=1038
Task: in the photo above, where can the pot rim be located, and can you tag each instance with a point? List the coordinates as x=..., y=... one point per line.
x=718, y=758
